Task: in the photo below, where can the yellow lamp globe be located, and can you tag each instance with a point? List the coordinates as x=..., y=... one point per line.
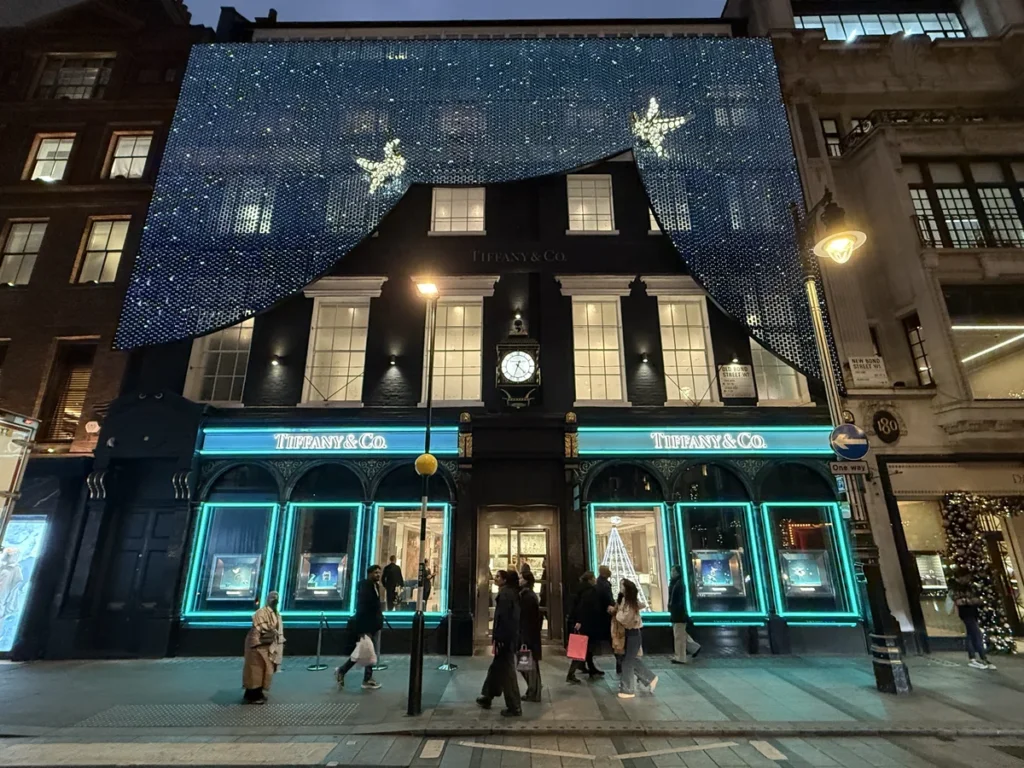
x=426, y=465
x=840, y=246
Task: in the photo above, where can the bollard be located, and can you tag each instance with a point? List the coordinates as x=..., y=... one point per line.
x=318, y=667
x=448, y=666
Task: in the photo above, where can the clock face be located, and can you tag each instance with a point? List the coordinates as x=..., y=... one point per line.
x=518, y=366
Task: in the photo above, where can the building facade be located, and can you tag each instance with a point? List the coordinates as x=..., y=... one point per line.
x=87, y=93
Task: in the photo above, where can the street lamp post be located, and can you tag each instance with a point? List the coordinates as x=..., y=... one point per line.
x=426, y=465
x=839, y=243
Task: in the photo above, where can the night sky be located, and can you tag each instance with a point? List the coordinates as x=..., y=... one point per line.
x=207, y=11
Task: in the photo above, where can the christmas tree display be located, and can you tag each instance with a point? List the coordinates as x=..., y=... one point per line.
x=617, y=559
x=967, y=553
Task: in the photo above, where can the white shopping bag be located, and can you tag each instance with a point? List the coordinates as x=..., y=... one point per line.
x=364, y=655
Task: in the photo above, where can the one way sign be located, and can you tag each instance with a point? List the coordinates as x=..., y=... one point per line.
x=849, y=442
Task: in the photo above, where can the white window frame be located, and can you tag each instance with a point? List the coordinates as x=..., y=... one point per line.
x=655, y=228
x=457, y=232
x=600, y=288
x=675, y=289
x=611, y=205
x=84, y=251
x=7, y=232
x=456, y=290
x=29, y=172
x=801, y=383
x=115, y=139
x=347, y=291
x=194, y=377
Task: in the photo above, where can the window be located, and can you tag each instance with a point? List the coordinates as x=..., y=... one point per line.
x=21, y=247
x=850, y=26
x=597, y=331
x=320, y=571
x=66, y=390
x=988, y=337
x=248, y=206
x=457, y=351
x=590, y=203
x=457, y=209
x=685, y=348
x=915, y=338
x=776, y=380
x=397, y=534
x=217, y=368
x=926, y=541
x=833, y=141
x=337, y=352
x=104, y=243
x=49, y=159
x=65, y=77
x=129, y=152
x=629, y=540
x=655, y=228
x=967, y=205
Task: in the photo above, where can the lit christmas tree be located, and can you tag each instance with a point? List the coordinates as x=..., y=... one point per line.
x=617, y=559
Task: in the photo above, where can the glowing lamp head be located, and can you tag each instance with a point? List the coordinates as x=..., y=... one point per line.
x=839, y=241
x=427, y=289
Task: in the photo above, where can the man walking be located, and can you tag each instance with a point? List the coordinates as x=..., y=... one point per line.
x=393, y=583
x=529, y=634
x=367, y=621
x=683, y=644
x=501, y=675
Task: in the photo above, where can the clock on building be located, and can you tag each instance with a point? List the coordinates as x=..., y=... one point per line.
x=518, y=371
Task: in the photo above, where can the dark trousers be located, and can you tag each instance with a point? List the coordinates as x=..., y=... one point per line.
x=587, y=664
x=501, y=679
x=532, y=679
x=975, y=640
x=367, y=670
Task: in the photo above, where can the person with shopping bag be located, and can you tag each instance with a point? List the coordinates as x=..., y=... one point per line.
x=366, y=625
x=501, y=675
x=530, y=622
x=588, y=618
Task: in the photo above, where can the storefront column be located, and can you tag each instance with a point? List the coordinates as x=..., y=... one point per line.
x=462, y=580
x=571, y=514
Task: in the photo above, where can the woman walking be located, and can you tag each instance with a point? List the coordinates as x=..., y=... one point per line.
x=530, y=623
x=626, y=640
x=587, y=618
x=264, y=650
x=968, y=602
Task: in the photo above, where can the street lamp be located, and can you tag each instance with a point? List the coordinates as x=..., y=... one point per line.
x=838, y=243
x=426, y=465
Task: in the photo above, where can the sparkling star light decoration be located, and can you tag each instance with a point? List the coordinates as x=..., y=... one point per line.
x=653, y=129
x=381, y=170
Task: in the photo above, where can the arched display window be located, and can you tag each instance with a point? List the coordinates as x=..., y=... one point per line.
x=395, y=540
x=721, y=567
x=233, y=546
x=809, y=553
x=322, y=542
x=627, y=530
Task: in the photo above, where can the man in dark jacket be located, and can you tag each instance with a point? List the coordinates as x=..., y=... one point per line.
x=530, y=622
x=682, y=642
x=588, y=617
x=501, y=675
x=367, y=621
x=393, y=582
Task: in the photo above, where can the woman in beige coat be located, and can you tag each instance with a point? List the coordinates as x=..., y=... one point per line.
x=626, y=640
x=264, y=650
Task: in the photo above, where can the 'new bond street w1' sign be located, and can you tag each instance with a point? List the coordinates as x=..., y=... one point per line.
x=271, y=441
x=711, y=440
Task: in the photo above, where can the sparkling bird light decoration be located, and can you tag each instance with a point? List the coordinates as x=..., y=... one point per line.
x=653, y=129
x=381, y=170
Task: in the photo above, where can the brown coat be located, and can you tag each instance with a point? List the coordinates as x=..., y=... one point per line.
x=262, y=661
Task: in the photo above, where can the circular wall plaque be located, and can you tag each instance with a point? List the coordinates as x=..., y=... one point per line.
x=886, y=426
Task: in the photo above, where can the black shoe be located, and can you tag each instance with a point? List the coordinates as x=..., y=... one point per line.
x=573, y=680
x=696, y=653
x=618, y=669
x=596, y=673
x=484, y=702
x=511, y=713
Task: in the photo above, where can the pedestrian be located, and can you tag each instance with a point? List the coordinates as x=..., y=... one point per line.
x=264, y=651
x=393, y=582
x=501, y=675
x=428, y=584
x=685, y=646
x=968, y=602
x=587, y=617
x=367, y=621
x=530, y=622
x=626, y=639
x=606, y=603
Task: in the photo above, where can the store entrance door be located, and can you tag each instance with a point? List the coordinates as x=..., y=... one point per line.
x=522, y=538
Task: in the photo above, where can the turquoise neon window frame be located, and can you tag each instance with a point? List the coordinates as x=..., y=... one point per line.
x=288, y=555
x=198, y=558
x=761, y=612
x=653, y=618
x=416, y=506
x=846, y=566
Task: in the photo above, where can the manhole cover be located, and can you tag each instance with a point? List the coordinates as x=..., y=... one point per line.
x=214, y=716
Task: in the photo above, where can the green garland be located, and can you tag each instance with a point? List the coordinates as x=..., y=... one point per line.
x=967, y=552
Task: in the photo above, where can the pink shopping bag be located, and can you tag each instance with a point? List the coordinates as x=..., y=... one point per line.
x=577, y=647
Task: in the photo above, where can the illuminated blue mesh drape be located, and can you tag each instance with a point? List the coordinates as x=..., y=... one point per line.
x=260, y=191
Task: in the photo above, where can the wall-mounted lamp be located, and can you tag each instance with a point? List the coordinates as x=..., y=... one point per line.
x=519, y=315
x=393, y=359
x=643, y=357
x=735, y=360
x=276, y=361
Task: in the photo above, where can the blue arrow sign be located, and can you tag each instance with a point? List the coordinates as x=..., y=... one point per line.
x=849, y=442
